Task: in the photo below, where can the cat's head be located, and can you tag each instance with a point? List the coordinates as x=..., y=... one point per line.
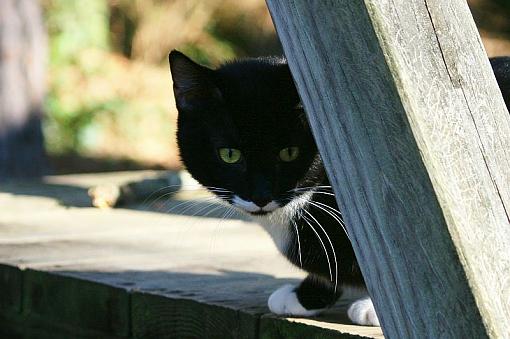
x=242, y=131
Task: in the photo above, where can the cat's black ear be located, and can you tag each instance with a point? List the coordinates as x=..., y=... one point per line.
x=193, y=83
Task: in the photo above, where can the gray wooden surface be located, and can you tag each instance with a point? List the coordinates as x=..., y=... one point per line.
x=142, y=273
x=416, y=139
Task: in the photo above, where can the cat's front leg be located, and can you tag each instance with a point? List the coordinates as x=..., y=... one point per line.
x=312, y=296
x=362, y=312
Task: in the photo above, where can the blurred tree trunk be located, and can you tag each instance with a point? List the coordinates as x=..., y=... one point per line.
x=22, y=85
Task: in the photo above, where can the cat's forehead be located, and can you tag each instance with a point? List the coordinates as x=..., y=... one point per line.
x=255, y=83
x=257, y=131
x=259, y=103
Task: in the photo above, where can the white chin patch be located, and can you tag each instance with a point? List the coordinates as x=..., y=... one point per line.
x=271, y=206
x=249, y=206
x=362, y=312
x=246, y=205
x=284, y=301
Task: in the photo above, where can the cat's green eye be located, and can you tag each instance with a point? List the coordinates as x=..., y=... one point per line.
x=289, y=154
x=230, y=155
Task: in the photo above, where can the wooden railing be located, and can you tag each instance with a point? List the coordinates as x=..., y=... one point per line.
x=415, y=137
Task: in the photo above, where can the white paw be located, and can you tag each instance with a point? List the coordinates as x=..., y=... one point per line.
x=284, y=301
x=362, y=312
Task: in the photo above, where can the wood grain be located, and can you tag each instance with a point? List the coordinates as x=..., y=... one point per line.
x=80, y=272
x=416, y=140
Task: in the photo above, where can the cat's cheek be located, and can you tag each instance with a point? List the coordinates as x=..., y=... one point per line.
x=362, y=312
x=284, y=301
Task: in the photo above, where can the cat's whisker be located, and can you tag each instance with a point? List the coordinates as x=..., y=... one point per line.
x=298, y=241
x=325, y=193
x=323, y=207
x=229, y=211
x=233, y=211
x=310, y=188
x=146, y=200
x=217, y=188
x=182, y=188
x=186, y=203
x=322, y=243
x=330, y=208
x=215, y=208
x=153, y=203
x=221, y=194
x=226, y=214
x=330, y=243
x=191, y=203
x=150, y=205
x=211, y=203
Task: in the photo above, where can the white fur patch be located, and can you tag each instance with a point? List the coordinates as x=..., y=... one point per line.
x=284, y=301
x=250, y=206
x=362, y=312
x=246, y=205
x=278, y=224
x=271, y=206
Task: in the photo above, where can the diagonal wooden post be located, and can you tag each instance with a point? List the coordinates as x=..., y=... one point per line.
x=416, y=141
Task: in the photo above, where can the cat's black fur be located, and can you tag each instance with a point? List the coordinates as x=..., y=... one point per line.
x=217, y=113
x=252, y=105
x=501, y=68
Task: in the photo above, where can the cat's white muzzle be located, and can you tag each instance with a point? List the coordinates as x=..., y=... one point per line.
x=251, y=207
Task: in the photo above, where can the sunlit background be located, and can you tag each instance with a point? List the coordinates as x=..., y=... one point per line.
x=110, y=95
x=109, y=102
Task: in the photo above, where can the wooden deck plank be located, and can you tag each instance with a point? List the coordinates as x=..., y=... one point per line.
x=214, y=275
x=75, y=302
x=10, y=289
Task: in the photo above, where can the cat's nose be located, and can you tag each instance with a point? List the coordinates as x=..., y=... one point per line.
x=261, y=202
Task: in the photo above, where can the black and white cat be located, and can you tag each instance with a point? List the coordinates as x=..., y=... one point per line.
x=243, y=133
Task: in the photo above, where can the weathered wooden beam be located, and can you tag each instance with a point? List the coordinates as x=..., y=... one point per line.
x=416, y=140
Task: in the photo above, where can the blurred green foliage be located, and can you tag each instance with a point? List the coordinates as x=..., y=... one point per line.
x=110, y=89
x=73, y=25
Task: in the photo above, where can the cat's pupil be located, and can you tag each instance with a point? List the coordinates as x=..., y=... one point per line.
x=230, y=152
